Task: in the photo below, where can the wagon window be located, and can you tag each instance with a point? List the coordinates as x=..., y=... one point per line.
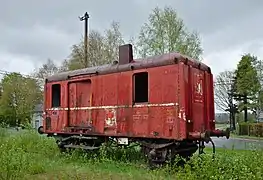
x=56, y=93
x=140, y=87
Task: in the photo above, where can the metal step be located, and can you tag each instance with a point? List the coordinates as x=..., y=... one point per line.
x=78, y=137
x=81, y=147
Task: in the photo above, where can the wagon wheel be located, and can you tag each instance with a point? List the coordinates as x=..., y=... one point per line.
x=155, y=157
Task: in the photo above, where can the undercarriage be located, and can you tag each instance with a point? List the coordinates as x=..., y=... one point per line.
x=157, y=151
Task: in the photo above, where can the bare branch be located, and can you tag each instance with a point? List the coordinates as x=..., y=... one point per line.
x=222, y=88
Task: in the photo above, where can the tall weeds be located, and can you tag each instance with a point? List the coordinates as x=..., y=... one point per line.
x=28, y=154
x=24, y=153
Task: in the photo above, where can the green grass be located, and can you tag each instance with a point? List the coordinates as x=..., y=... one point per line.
x=28, y=155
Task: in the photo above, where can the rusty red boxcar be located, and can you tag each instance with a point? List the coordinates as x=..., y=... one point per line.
x=165, y=103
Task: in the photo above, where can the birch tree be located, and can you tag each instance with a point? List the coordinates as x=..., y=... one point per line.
x=102, y=48
x=165, y=32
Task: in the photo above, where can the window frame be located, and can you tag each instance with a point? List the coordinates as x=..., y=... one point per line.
x=53, y=86
x=134, y=87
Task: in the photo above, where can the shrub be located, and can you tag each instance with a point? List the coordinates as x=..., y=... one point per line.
x=24, y=153
x=251, y=129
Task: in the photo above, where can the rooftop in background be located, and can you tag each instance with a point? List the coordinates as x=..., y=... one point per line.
x=38, y=108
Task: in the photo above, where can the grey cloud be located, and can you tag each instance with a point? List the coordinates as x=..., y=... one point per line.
x=59, y=18
x=204, y=15
x=222, y=24
x=248, y=29
x=255, y=48
x=37, y=41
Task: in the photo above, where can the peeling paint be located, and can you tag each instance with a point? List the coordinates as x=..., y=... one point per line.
x=110, y=117
x=181, y=114
x=113, y=107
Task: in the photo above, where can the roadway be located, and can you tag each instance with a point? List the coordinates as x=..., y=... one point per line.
x=237, y=143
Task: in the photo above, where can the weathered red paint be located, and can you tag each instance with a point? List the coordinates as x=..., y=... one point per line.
x=103, y=99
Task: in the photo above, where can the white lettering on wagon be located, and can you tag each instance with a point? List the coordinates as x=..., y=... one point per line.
x=181, y=114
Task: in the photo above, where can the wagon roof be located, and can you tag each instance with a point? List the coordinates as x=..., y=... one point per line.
x=154, y=61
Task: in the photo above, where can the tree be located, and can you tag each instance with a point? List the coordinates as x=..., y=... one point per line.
x=258, y=65
x=64, y=66
x=19, y=97
x=222, y=89
x=102, y=49
x=95, y=49
x=166, y=32
x=113, y=39
x=47, y=69
x=135, y=50
x=247, y=84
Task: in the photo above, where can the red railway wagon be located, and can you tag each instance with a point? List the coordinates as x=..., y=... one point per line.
x=165, y=103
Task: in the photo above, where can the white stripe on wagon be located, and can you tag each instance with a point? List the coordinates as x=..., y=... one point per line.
x=113, y=107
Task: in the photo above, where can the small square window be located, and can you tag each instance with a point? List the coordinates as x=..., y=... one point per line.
x=56, y=94
x=140, y=87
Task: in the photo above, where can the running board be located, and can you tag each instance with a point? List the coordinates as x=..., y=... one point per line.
x=81, y=147
x=77, y=137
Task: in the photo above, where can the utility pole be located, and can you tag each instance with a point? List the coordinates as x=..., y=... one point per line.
x=85, y=18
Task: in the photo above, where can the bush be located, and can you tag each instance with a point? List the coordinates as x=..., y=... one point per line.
x=24, y=153
x=251, y=129
x=243, y=129
x=227, y=165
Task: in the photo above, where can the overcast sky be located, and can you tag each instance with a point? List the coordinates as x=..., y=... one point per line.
x=32, y=31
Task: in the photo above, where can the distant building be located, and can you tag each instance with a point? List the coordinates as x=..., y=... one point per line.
x=37, y=116
x=222, y=117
